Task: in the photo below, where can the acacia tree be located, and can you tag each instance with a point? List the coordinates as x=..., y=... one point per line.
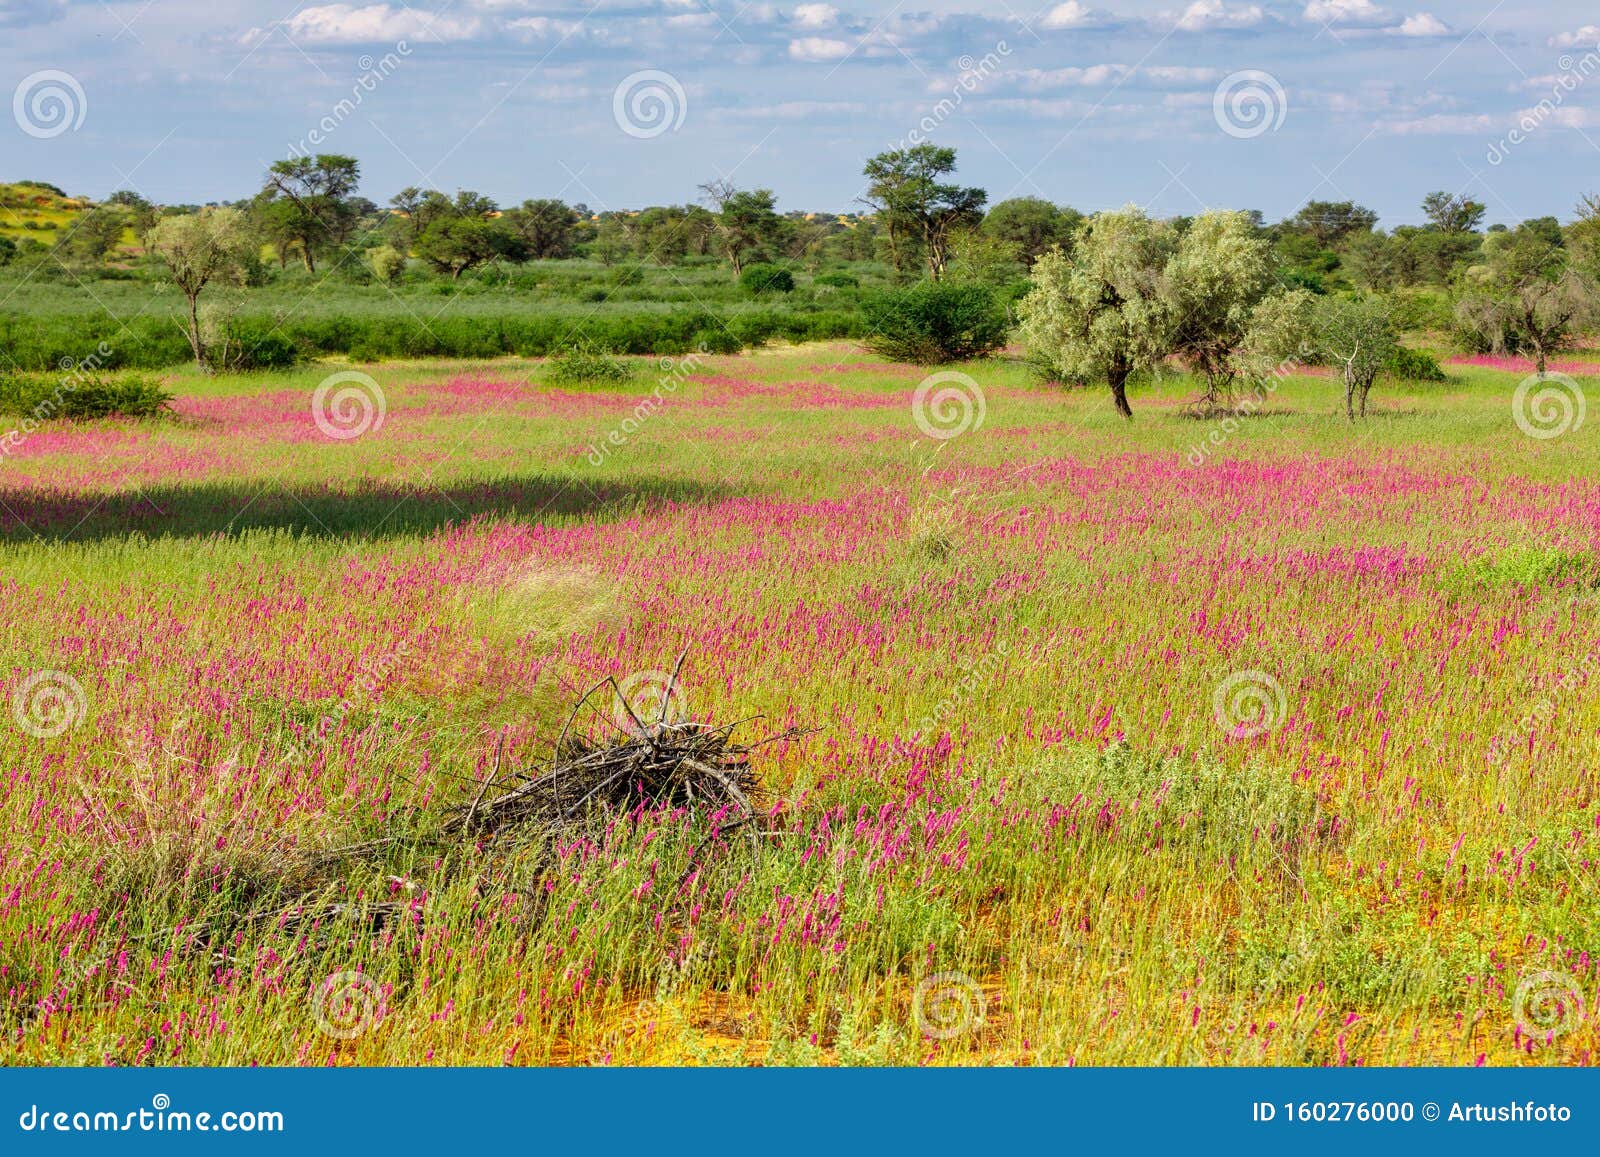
x=1103, y=312
x=747, y=220
x=1358, y=334
x=1452, y=213
x=904, y=188
x=1526, y=294
x=1221, y=271
x=546, y=225
x=198, y=249
x=307, y=204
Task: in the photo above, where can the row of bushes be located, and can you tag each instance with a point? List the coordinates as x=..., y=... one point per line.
x=40, y=343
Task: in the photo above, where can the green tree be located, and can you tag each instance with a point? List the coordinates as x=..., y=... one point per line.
x=1221, y=271
x=1526, y=295
x=1330, y=222
x=547, y=226
x=1103, y=313
x=1358, y=335
x=307, y=204
x=456, y=244
x=905, y=189
x=1033, y=225
x=199, y=249
x=1452, y=212
x=747, y=223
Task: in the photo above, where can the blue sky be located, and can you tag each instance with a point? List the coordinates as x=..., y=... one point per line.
x=1093, y=103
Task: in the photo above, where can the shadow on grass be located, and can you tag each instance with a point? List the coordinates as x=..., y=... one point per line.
x=364, y=509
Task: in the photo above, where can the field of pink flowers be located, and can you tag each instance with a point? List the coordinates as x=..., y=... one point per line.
x=1263, y=741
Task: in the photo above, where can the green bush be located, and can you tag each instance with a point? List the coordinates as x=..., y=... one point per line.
x=838, y=280
x=584, y=365
x=932, y=322
x=766, y=279
x=43, y=397
x=1414, y=366
x=716, y=340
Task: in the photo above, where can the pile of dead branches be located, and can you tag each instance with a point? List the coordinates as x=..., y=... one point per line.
x=655, y=763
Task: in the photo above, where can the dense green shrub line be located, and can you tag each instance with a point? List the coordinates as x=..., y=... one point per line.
x=44, y=342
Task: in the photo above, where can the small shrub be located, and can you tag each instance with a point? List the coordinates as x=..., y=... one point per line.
x=1414, y=366
x=585, y=365
x=838, y=280
x=43, y=397
x=932, y=323
x=766, y=279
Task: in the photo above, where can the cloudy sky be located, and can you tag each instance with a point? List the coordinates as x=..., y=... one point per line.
x=621, y=103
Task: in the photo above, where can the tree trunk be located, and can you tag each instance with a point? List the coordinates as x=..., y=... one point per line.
x=1118, y=380
x=1349, y=396
x=1366, y=388
x=1542, y=360
x=195, y=344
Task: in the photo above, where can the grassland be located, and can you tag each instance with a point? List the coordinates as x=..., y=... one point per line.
x=1031, y=801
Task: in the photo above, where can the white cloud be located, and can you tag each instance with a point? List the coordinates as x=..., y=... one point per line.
x=1568, y=117
x=546, y=27
x=818, y=48
x=1093, y=76
x=1587, y=37
x=1441, y=124
x=1182, y=74
x=1073, y=15
x=373, y=23
x=1357, y=12
x=1422, y=24
x=816, y=15
x=1208, y=14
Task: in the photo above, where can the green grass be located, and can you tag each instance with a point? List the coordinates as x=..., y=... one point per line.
x=1122, y=880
